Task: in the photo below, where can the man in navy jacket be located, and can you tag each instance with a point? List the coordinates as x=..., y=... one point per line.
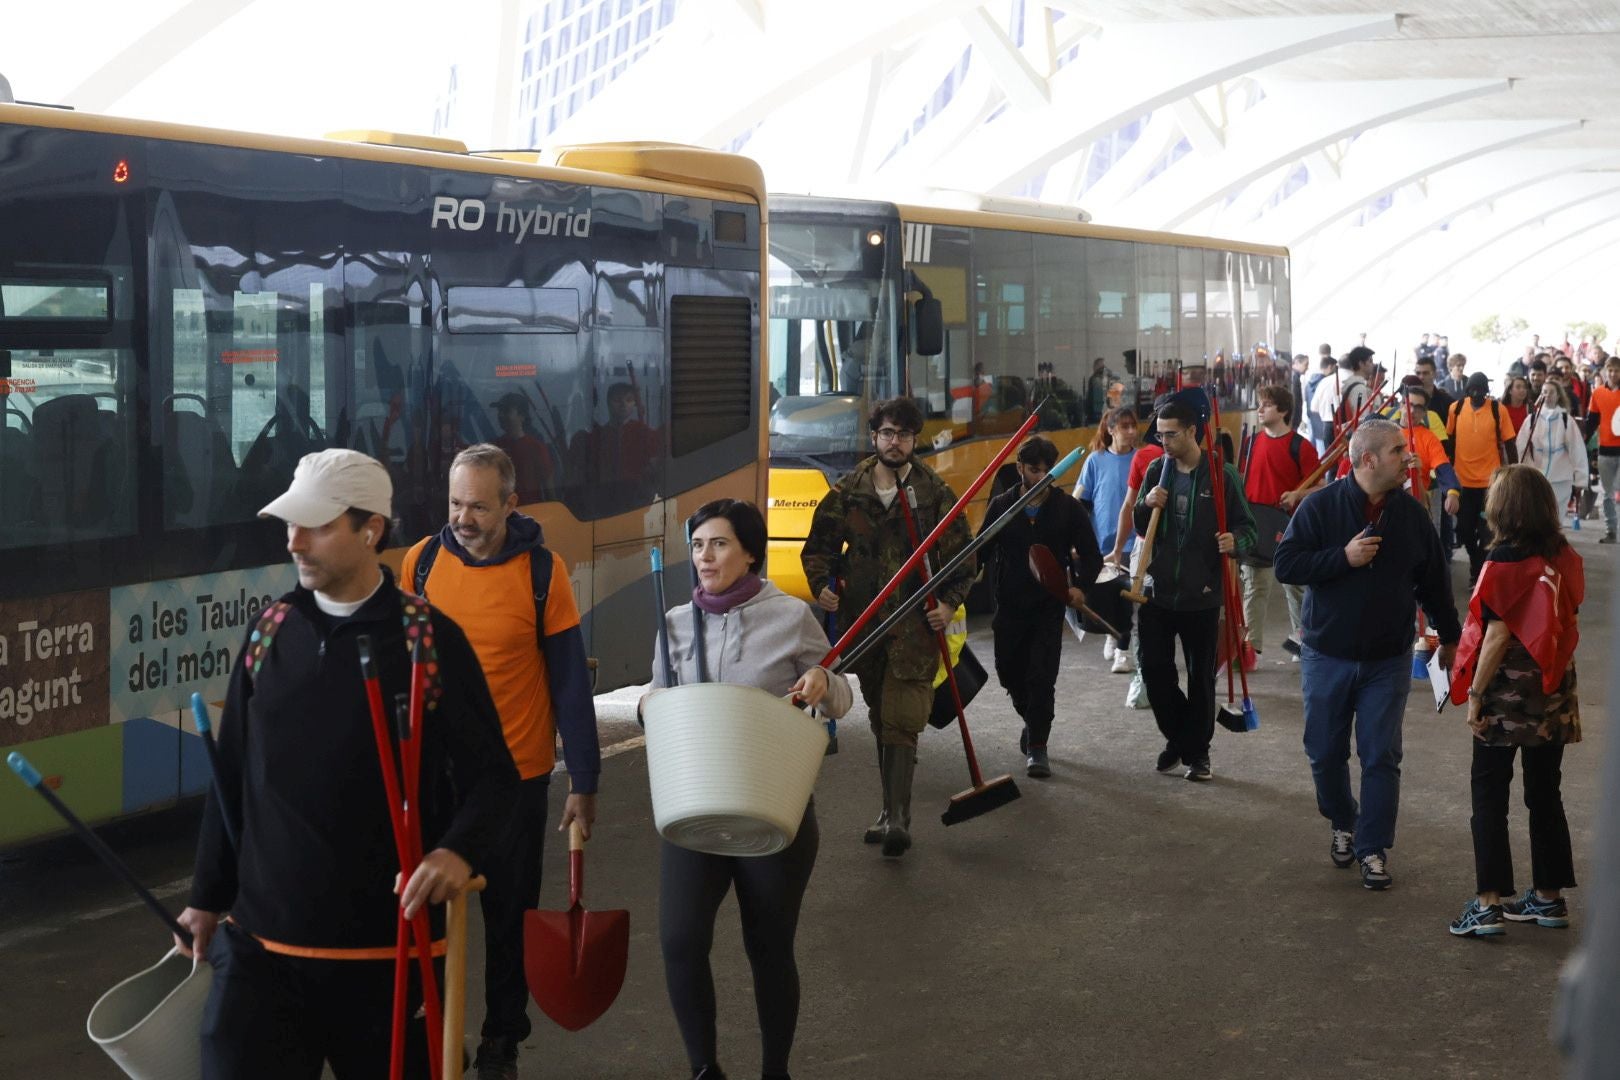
x=1367, y=554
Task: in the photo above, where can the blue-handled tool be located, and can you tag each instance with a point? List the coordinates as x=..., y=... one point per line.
x=199, y=713
x=663, y=623
x=30, y=776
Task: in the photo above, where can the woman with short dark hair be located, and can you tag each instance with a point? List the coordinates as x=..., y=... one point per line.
x=754, y=634
x=1515, y=669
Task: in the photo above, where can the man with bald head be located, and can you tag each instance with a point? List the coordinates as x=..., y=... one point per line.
x=1367, y=555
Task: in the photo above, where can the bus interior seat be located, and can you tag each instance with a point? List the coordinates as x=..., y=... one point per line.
x=19, y=485
x=199, y=472
x=75, y=453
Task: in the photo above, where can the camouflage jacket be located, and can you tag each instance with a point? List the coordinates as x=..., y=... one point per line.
x=855, y=537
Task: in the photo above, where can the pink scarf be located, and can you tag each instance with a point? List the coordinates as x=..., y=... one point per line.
x=744, y=588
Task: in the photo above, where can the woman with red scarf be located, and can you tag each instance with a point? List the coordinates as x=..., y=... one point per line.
x=1515, y=669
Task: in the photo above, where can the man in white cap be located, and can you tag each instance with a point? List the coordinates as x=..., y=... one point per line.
x=301, y=972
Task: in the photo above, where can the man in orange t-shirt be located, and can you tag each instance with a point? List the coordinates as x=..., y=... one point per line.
x=479, y=573
x=1482, y=441
x=1603, y=416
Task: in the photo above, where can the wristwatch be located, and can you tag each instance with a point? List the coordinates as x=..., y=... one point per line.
x=1475, y=692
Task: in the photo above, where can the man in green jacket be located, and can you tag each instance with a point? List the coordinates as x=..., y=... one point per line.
x=860, y=527
x=1185, y=576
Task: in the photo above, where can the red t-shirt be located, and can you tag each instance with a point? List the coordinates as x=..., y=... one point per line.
x=1272, y=468
x=1518, y=412
x=1145, y=456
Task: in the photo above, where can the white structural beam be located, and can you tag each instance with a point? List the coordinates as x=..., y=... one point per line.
x=1388, y=158
x=1206, y=135
x=1025, y=87
x=1294, y=120
x=802, y=49
x=1333, y=263
x=1471, y=242
x=1594, y=217
x=1112, y=82
x=143, y=57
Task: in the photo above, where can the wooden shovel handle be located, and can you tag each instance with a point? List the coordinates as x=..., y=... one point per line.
x=1135, y=595
x=455, y=977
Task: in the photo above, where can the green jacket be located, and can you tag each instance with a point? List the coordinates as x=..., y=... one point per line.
x=855, y=537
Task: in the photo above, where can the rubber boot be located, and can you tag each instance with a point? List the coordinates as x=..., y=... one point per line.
x=900, y=764
x=874, y=834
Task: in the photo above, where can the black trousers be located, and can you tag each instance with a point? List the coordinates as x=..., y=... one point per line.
x=770, y=889
x=275, y=1017
x=1552, y=866
x=1028, y=647
x=1471, y=530
x=512, y=873
x=1187, y=720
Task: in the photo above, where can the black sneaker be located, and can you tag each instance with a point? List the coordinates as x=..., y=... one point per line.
x=1290, y=646
x=1200, y=771
x=1169, y=762
x=1037, y=766
x=1532, y=908
x=1608, y=538
x=1375, y=873
x=1478, y=920
x=1342, y=849
x=497, y=1059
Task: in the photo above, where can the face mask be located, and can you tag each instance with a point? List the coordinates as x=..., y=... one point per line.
x=1477, y=396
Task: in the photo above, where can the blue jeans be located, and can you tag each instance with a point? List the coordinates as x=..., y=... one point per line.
x=1373, y=696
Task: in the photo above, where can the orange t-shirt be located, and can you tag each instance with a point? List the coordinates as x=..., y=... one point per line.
x=1606, y=403
x=494, y=606
x=1477, y=435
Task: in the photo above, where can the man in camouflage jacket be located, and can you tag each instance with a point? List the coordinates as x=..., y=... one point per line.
x=860, y=528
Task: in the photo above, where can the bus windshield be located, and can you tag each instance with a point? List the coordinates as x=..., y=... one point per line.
x=833, y=334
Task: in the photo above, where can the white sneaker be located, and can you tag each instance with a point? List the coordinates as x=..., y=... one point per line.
x=1110, y=650
x=1122, y=662
x=1136, y=697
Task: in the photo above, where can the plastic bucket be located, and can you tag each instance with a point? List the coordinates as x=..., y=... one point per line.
x=731, y=767
x=1420, y=664
x=149, y=1024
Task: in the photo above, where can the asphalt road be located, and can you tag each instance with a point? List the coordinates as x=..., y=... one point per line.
x=1111, y=923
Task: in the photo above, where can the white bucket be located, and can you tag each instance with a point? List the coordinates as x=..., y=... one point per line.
x=149, y=1024
x=731, y=767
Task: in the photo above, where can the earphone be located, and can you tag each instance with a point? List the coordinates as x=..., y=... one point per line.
x=371, y=537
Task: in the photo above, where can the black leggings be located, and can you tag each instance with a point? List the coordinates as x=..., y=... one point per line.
x=770, y=889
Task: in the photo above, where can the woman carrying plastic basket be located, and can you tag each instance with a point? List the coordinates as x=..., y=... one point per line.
x=739, y=630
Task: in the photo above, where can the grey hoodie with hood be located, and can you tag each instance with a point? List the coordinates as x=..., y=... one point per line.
x=767, y=641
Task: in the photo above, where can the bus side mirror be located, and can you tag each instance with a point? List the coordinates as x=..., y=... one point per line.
x=928, y=327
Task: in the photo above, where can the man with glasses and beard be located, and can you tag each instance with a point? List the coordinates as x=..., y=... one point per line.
x=1185, y=576
x=860, y=528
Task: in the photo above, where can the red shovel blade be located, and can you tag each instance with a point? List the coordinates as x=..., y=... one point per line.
x=574, y=962
x=1049, y=572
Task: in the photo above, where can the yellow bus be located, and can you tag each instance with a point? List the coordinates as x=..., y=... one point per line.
x=979, y=310
x=184, y=313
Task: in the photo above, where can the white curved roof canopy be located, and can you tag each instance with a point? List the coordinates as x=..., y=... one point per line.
x=1357, y=138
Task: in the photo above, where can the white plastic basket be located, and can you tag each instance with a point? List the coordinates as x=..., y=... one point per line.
x=731, y=767
x=149, y=1024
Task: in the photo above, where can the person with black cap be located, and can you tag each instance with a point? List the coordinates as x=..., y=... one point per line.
x=1483, y=438
x=302, y=971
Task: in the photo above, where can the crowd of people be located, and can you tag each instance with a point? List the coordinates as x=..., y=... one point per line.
x=300, y=965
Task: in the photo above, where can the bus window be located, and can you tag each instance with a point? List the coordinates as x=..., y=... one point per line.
x=68, y=432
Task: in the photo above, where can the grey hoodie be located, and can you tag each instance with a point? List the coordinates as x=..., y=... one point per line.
x=768, y=642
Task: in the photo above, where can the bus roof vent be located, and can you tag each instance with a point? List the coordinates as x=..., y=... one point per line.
x=951, y=199
x=395, y=138
x=5, y=92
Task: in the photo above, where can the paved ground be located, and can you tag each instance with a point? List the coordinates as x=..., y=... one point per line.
x=1111, y=923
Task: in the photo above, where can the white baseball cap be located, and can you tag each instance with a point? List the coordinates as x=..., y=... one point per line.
x=326, y=484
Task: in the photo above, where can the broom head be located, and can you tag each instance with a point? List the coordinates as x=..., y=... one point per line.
x=967, y=805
